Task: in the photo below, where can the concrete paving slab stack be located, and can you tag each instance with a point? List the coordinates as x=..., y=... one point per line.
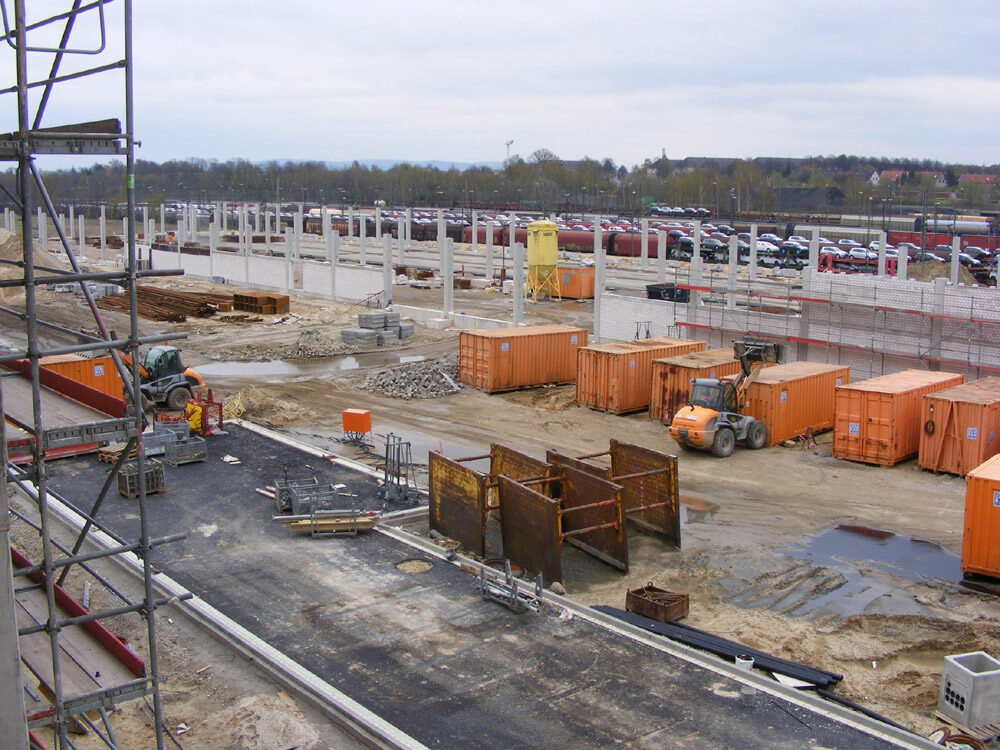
x=379, y=327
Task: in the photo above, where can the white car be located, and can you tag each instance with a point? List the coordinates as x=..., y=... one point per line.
x=848, y=243
x=861, y=253
x=836, y=252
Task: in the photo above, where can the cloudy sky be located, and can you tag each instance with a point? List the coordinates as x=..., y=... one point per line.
x=431, y=80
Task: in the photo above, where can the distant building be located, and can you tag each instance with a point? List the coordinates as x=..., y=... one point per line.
x=981, y=179
x=890, y=175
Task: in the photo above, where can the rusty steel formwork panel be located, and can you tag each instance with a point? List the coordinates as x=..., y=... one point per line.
x=518, y=466
x=558, y=459
x=530, y=524
x=650, y=502
x=592, y=516
x=457, y=499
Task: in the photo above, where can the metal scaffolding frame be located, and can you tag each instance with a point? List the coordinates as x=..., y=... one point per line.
x=101, y=138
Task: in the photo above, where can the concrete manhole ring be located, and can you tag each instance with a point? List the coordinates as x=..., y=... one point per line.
x=414, y=566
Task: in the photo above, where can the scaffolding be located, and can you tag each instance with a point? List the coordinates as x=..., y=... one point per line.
x=66, y=49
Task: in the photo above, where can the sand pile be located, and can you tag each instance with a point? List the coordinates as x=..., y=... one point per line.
x=257, y=405
x=11, y=250
x=928, y=270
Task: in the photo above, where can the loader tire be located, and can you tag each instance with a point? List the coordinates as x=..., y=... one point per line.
x=724, y=443
x=756, y=436
x=177, y=399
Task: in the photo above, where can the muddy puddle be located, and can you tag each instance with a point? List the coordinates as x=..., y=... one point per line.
x=857, y=554
x=286, y=371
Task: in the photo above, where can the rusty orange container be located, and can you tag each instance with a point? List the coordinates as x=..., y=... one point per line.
x=616, y=377
x=878, y=420
x=981, y=540
x=506, y=359
x=671, y=378
x=576, y=282
x=98, y=373
x=960, y=427
x=795, y=398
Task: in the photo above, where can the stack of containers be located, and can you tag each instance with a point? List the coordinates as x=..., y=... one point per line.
x=960, y=427
x=506, y=359
x=878, y=420
x=795, y=399
x=616, y=377
x=981, y=540
x=671, y=378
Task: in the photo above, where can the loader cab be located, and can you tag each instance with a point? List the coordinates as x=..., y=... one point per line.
x=162, y=362
x=717, y=395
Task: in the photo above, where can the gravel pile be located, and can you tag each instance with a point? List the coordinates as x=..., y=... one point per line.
x=429, y=379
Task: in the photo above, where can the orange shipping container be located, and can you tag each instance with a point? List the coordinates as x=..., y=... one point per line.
x=506, y=359
x=960, y=427
x=878, y=420
x=616, y=377
x=795, y=398
x=576, y=282
x=98, y=373
x=981, y=540
x=672, y=376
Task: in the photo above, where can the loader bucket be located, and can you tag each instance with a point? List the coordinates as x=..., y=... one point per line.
x=754, y=350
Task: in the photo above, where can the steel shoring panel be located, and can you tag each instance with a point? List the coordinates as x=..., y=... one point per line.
x=558, y=459
x=530, y=524
x=457, y=500
x=655, y=489
x=604, y=536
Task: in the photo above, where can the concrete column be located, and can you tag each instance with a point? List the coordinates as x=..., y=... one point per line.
x=216, y=215
x=193, y=221
x=256, y=218
x=513, y=232
x=956, y=248
x=125, y=236
x=814, y=249
x=447, y=279
x=267, y=232
x=298, y=232
x=40, y=221
x=150, y=232
x=752, y=266
x=901, y=262
x=332, y=251
x=697, y=241
x=289, y=271
x=363, y=237
x=225, y=216
x=103, y=234
x=489, y=252
x=600, y=266
x=733, y=268
x=388, y=275
x=400, y=240
x=661, y=257
x=70, y=226
x=378, y=223
x=145, y=219
x=937, y=324
x=213, y=246
x=442, y=229
x=597, y=240
x=644, y=258
x=350, y=222
x=409, y=228
x=881, y=253
x=324, y=222
x=696, y=277
x=81, y=236
x=180, y=236
x=163, y=220
x=475, y=231
x=517, y=292
x=6, y=218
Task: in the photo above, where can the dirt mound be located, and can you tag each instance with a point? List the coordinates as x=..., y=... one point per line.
x=11, y=249
x=552, y=398
x=928, y=270
x=263, y=721
x=257, y=405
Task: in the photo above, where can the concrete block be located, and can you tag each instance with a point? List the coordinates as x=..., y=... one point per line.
x=970, y=689
x=359, y=336
x=372, y=320
x=391, y=320
x=405, y=330
x=387, y=336
x=438, y=323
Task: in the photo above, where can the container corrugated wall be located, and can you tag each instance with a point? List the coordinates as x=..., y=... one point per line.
x=795, y=398
x=981, y=540
x=878, y=420
x=670, y=386
x=525, y=357
x=960, y=427
x=616, y=377
x=576, y=282
x=98, y=373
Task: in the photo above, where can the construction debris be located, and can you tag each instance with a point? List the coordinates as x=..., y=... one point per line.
x=427, y=379
x=169, y=305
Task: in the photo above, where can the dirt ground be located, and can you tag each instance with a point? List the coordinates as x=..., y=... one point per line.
x=747, y=516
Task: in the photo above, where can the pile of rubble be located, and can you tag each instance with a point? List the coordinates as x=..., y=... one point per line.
x=427, y=379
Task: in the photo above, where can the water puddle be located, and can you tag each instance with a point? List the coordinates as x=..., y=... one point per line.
x=847, y=549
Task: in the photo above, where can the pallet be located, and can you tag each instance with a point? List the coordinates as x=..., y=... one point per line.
x=110, y=454
x=984, y=733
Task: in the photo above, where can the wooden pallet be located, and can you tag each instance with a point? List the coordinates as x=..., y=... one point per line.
x=110, y=454
x=984, y=733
